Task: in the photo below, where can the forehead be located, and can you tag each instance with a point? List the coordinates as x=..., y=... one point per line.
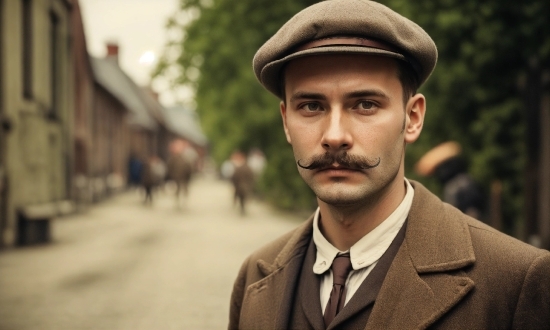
x=342, y=69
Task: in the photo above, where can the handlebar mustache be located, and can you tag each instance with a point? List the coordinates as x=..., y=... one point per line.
x=354, y=162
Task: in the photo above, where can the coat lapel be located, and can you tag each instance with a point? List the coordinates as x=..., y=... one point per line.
x=309, y=287
x=425, y=280
x=270, y=300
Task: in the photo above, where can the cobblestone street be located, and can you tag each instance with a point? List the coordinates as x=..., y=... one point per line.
x=124, y=265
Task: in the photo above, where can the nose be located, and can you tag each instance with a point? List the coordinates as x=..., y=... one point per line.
x=336, y=136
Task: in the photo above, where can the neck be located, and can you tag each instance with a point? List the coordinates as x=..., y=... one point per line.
x=344, y=225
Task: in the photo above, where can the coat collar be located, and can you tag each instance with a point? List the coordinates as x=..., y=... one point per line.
x=295, y=245
x=426, y=278
x=424, y=281
x=438, y=239
x=269, y=301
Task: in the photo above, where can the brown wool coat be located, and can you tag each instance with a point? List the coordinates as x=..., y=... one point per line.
x=451, y=272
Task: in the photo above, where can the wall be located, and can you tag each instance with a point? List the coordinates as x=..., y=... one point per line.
x=38, y=148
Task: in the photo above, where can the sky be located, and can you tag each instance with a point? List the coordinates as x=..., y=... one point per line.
x=138, y=26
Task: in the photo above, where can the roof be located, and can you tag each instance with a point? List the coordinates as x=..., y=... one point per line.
x=151, y=100
x=110, y=76
x=185, y=123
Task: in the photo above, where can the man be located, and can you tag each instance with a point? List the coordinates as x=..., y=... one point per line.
x=179, y=168
x=242, y=179
x=152, y=177
x=380, y=252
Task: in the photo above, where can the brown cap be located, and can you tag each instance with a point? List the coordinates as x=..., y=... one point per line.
x=436, y=156
x=345, y=26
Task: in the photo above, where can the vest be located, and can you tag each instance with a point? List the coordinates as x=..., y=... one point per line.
x=307, y=313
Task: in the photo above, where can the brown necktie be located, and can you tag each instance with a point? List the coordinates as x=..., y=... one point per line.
x=341, y=266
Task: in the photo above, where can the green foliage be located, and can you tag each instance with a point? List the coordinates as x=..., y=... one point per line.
x=235, y=111
x=485, y=48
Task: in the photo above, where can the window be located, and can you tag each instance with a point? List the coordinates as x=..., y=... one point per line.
x=27, y=48
x=54, y=64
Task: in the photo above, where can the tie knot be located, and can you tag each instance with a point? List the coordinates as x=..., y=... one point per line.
x=341, y=266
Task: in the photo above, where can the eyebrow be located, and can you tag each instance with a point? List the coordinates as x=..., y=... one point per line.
x=354, y=94
x=367, y=93
x=307, y=95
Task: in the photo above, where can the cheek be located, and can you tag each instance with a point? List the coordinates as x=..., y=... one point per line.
x=379, y=136
x=301, y=132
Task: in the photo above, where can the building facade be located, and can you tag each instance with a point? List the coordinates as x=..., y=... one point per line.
x=69, y=123
x=36, y=85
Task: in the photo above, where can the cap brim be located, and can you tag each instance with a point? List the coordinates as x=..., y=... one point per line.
x=270, y=75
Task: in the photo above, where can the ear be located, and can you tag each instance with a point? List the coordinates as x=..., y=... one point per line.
x=415, y=112
x=283, y=115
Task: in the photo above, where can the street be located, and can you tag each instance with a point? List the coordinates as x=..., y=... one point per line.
x=121, y=264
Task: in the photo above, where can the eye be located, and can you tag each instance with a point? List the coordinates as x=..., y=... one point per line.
x=311, y=107
x=366, y=105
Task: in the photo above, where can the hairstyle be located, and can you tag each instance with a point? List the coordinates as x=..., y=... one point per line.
x=409, y=80
x=405, y=74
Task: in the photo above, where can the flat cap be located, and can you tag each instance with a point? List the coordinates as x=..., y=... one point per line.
x=345, y=26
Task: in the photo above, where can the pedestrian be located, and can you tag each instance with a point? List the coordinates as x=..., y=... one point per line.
x=148, y=179
x=159, y=170
x=380, y=251
x=135, y=166
x=191, y=156
x=179, y=171
x=445, y=163
x=242, y=179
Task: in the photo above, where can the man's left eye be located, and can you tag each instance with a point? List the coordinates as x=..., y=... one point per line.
x=312, y=107
x=365, y=105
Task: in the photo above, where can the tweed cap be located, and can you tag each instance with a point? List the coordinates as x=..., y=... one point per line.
x=345, y=26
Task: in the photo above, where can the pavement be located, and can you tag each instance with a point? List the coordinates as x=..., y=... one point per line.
x=121, y=264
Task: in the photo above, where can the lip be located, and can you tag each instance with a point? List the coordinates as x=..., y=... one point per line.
x=334, y=170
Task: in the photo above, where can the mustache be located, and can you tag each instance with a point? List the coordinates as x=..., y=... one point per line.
x=344, y=159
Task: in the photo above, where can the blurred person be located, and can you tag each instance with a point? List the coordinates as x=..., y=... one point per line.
x=242, y=179
x=380, y=251
x=191, y=156
x=179, y=169
x=135, y=166
x=159, y=170
x=444, y=162
x=149, y=179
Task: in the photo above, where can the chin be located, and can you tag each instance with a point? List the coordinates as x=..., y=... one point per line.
x=341, y=198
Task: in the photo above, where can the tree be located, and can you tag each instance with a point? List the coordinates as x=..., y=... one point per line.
x=475, y=96
x=214, y=56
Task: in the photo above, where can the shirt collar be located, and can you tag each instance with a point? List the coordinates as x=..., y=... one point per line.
x=370, y=247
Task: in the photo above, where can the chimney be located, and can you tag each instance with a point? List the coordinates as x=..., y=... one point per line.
x=112, y=51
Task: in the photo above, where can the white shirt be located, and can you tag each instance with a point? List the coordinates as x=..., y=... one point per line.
x=364, y=254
